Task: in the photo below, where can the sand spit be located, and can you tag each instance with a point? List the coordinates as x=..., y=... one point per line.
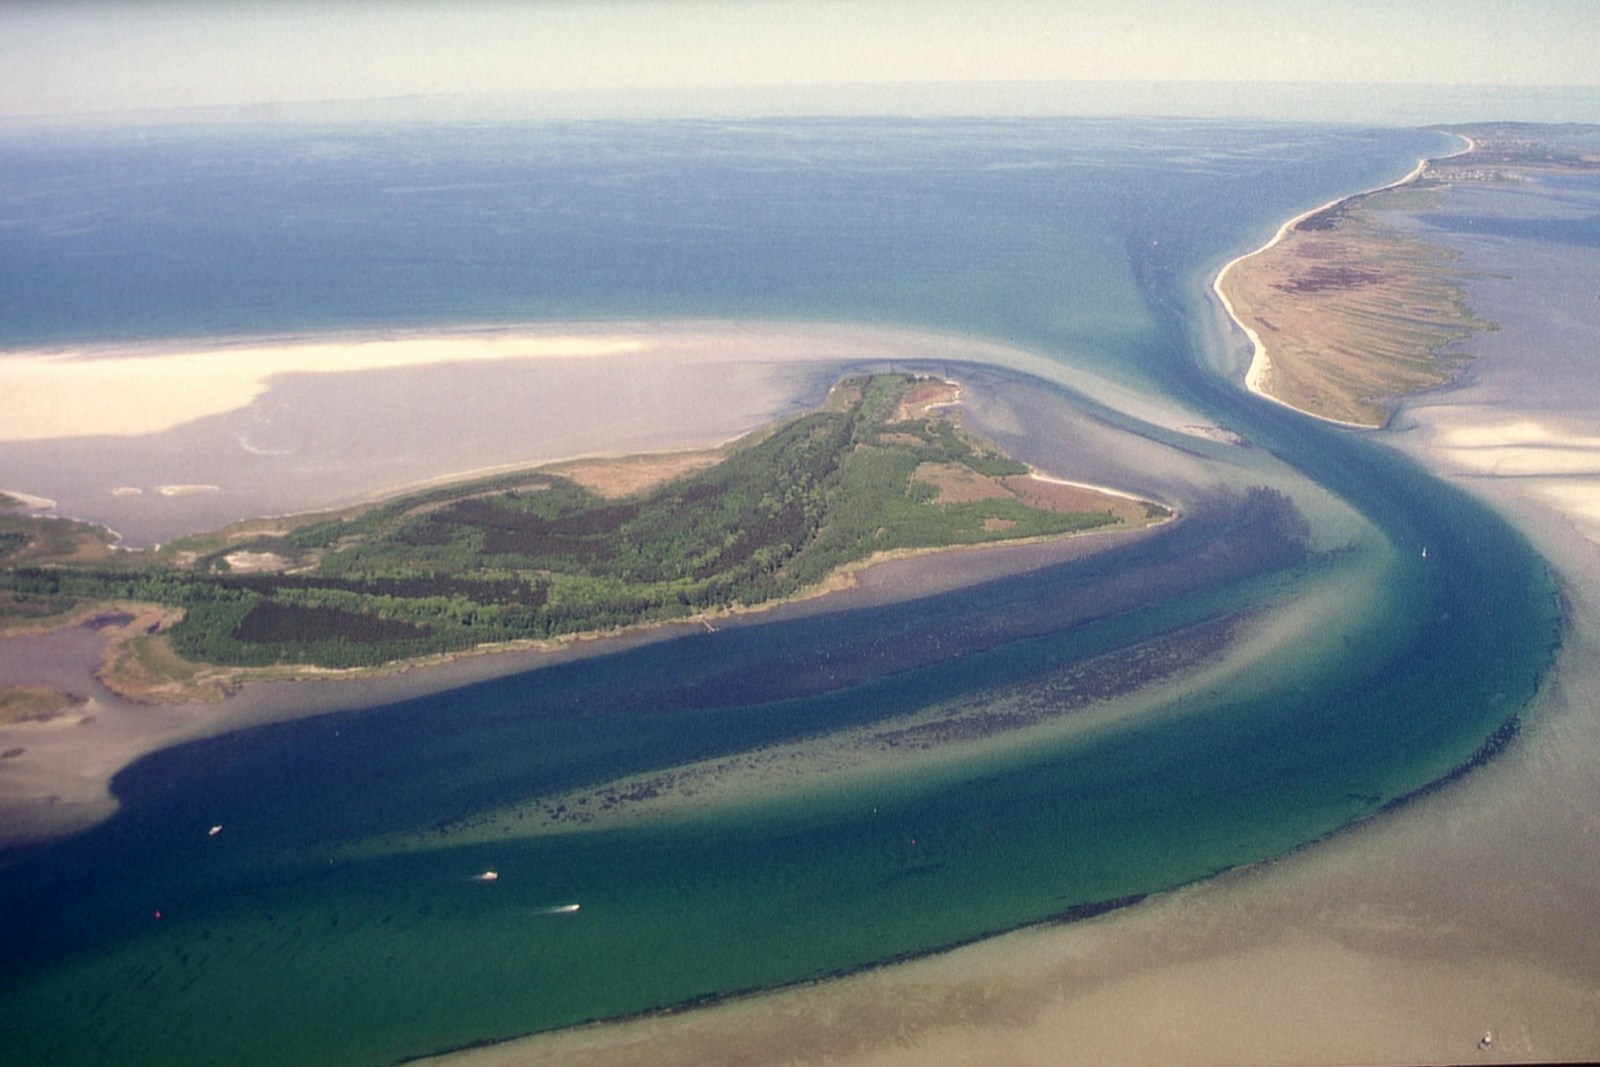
x=27, y=501
x=1256, y=378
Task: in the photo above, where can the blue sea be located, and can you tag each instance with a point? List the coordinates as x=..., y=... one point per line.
x=1089, y=242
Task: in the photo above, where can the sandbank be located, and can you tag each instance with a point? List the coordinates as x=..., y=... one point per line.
x=154, y=386
x=147, y=388
x=27, y=501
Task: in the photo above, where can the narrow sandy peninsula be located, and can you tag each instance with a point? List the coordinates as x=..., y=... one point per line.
x=1343, y=311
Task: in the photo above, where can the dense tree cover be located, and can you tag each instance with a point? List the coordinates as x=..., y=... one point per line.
x=537, y=555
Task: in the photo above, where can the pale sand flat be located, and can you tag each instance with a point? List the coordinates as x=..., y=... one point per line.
x=125, y=390
x=144, y=388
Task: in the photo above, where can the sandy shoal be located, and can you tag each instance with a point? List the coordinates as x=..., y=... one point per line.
x=139, y=389
x=150, y=387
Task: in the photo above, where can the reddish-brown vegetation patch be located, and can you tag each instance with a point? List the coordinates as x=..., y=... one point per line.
x=1054, y=496
x=959, y=484
x=1321, y=278
x=924, y=395
x=911, y=440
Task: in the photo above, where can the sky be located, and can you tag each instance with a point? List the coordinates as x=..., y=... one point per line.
x=68, y=57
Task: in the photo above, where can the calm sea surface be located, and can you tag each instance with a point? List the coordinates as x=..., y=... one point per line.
x=1090, y=242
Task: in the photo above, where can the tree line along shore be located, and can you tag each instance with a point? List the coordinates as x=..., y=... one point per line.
x=883, y=466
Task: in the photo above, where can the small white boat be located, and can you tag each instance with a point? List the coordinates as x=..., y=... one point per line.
x=488, y=876
x=214, y=831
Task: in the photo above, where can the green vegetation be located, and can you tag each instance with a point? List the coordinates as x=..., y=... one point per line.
x=26, y=538
x=536, y=555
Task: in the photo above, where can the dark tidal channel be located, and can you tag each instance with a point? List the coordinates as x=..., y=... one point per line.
x=275, y=946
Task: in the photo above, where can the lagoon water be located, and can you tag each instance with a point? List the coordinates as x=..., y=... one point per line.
x=290, y=938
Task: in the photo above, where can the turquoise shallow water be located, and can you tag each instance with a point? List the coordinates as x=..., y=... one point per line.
x=1090, y=242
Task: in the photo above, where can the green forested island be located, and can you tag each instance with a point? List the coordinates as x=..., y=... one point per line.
x=882, y=466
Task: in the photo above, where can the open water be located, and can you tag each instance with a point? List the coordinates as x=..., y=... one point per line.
x=1089, y=242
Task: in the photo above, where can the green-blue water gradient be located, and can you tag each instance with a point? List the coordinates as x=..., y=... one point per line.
x=275, y=946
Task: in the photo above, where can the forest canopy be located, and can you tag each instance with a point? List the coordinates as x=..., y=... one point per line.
x=882, y=466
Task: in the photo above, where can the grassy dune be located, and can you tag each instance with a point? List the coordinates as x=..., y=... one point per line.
x=1352, y=311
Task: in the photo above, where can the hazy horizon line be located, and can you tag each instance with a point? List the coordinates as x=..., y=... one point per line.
x=1371, y=103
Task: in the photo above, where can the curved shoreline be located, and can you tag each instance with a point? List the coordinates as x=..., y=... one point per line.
x=1260, y=362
